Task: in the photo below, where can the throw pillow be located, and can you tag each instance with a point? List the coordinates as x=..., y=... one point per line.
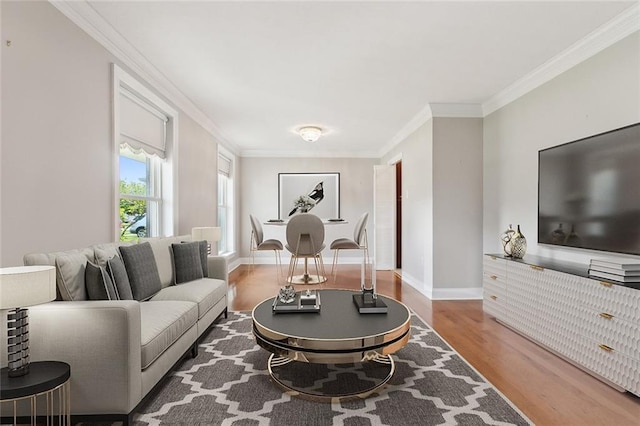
x=142, y=270
x=99, y=285
x=204, y=253
x=186, y=262
x=118, y=275
x=70, y=267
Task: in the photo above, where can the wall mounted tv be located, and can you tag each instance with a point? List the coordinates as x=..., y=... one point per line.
x=589, y=192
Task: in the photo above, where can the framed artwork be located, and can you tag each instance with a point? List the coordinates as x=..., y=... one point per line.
x=317, y=193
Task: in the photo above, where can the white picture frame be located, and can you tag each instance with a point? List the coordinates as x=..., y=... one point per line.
x=293, y=185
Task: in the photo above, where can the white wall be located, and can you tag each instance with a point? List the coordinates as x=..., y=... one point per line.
x=259, y=196
x=197, y=177
x=442, y=207
x=57, y=184
x=417, y=206
x=457, y=207
x=600, y=94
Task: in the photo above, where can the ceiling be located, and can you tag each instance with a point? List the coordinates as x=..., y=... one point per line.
x=365, y=72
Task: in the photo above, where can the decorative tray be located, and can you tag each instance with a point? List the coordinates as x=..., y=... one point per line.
x=296, y=306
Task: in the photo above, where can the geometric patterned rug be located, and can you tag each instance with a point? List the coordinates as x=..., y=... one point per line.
x=228, y=384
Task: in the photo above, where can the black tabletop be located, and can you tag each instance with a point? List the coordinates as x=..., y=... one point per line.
x=338, y=318
x=43, y=376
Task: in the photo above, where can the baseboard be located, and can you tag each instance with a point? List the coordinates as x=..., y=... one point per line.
x=472, y=293
x=464, y=293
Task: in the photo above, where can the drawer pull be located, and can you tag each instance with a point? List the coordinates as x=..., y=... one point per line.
x=605, y=315
x=494, y=297
x=605, y=347
x=536, y=267
x=605, y=284
x=493, y=277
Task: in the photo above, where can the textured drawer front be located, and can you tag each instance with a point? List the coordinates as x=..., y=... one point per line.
x=612, y=365
x=494, y=268
x=622, y=302
x=494, y=298
x=620, y=335
x=523, y=306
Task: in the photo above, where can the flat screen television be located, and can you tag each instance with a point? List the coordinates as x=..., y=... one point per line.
x=589, y=192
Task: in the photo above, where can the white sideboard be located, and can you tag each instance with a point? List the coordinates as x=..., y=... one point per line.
x=593, y=324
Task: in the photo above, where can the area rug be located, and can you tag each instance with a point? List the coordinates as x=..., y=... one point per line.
x=228, y=384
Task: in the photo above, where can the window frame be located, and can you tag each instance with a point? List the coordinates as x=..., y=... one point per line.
x=230, y=196
x=166, y=177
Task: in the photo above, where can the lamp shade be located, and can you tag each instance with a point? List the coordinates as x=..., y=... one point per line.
x=207, y=233
x=23, y=286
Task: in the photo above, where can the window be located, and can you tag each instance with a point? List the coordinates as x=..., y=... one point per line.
x=145, y=141
x=225, y=203
x=140, y=194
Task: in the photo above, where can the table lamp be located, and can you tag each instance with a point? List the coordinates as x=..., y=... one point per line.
x=209, y=233
x=19, y=287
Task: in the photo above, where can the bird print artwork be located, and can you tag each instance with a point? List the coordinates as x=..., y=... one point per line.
x=304, y=203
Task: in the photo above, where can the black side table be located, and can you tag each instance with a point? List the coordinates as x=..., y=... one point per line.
x=46, y=379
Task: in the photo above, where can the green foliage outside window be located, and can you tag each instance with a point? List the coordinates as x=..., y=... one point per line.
x=131, y=209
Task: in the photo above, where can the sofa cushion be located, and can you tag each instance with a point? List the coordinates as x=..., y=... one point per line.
x=142, y=270
x=99, y=285
x=162, y=323
x=118, y=274
x=206, y=292
x=187, y=265
x=161, y=247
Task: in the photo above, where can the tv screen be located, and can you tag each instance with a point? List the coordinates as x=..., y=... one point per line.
x=589, y=192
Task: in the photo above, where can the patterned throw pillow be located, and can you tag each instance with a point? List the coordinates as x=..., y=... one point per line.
x=142, y=270
x=117, y=273
x=187, y=265
x=99, y=285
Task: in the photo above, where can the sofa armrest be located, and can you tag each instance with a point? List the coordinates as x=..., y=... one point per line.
x=101, y=341
x=218, y=268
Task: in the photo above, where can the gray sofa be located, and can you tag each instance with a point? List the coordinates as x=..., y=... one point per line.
x=120, y=349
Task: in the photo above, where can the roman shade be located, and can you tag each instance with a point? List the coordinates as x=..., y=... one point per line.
x=142, y=125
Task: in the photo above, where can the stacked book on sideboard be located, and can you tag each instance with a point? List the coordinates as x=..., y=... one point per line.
x=626, y=272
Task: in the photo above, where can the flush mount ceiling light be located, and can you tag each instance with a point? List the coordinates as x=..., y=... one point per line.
x=310, y=133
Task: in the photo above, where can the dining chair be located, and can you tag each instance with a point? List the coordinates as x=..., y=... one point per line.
x=305, y=240
x=258, y=243
x=359, y=242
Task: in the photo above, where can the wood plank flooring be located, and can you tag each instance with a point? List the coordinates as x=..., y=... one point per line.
x=549, y=390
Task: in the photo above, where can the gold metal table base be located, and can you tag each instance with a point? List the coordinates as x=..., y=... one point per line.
x=281, y=373
x=57, y=402
x=308, y=279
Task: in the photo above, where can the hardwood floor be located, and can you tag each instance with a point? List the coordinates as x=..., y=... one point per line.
x=549, y=390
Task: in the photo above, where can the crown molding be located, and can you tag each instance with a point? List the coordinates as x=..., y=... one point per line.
x=613, y=31
x=84, y=16
x=308, y=154
x=414, y=124
x=450, y=110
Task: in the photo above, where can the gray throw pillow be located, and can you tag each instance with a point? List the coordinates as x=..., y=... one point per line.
x=117, y=273
x=99, y=285
x=142, y=270
x=186, y=262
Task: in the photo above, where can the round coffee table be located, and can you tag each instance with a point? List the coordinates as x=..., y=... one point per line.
x=336, y=353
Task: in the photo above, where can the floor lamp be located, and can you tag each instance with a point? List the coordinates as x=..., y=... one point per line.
x=20, y=287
